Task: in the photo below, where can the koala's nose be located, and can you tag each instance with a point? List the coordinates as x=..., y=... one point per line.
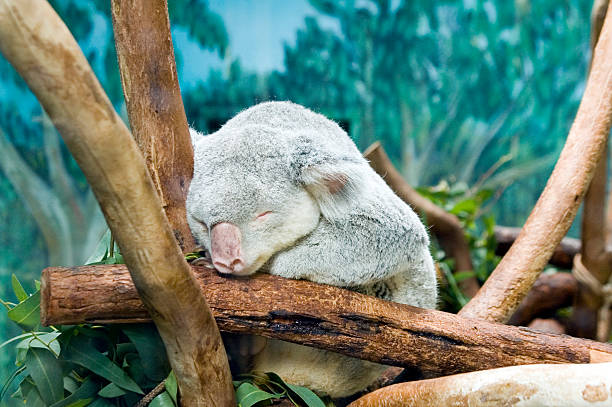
x=226, y=248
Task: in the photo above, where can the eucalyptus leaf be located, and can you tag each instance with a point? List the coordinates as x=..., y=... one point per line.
x=163, y=400
x=172, y=386
x=150, y=348
x=47, y=340
x=27, y=313
x=18, y=289
x=80, y=351
x=111, y=390
x=248, y=395
x=82, y=396
x=46, y=372
x=101, y=402
x=307, y=396
x=30, y=394
x=101, y=250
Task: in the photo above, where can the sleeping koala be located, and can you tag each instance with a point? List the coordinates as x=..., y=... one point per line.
x=283, y=190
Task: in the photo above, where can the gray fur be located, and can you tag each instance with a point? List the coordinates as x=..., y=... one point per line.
x=333, y=221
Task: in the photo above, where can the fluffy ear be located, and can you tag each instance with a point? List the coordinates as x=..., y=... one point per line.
x=333, y=185
x=332, y=179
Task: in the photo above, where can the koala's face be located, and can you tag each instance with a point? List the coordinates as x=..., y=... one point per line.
x=243, y=205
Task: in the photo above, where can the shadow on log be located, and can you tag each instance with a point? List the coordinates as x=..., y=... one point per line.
x=321, y=316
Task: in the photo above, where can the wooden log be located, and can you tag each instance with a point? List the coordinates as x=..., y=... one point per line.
x=539, y=385
x=563, y=255
x=321, y=316
x=549, y=293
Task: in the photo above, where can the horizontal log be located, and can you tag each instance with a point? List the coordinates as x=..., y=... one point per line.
x=549, y=293
x=563, y=255
x=321, y=316
x=536, y=385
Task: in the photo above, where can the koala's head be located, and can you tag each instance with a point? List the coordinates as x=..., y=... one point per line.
x=254, y=193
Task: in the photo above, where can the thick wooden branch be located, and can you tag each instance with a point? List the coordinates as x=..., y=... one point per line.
x=539, y=385
x=154, y=104
x=594, y=252
x=445, y=226
x=37, y=43
x=563, y=255
x=549, y=293
x=557, y=206
x=321, y=316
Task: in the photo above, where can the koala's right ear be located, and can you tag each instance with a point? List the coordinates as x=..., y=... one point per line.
x=333, y=180
x=195, y=136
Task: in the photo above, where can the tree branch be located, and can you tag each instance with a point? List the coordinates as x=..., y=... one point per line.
x=154, y=104
x=444, y=226
x=40, y=47
x=321, y=316
x=573, y=385
x=563, y=255
x=555, y=210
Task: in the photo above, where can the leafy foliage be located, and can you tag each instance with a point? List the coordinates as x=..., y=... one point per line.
x=472, y=208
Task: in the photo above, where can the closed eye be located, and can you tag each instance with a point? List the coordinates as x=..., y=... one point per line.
x=263, y=215
x=203, y=225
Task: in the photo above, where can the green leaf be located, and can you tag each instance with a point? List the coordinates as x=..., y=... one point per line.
x=151, y=350
x=101, y=403
x=248, y=395
x=101, y=251
x=84, y=394
x=111, y=390
x=81, y=352
x=307, y=396
x=9, y=381
x=297, y=392
x=18, y=289
x=163, y=400
x=27, y=313
x=31, y=397
x=463, y=275
x=47, y=340
x=46, y=372
x=172, y=386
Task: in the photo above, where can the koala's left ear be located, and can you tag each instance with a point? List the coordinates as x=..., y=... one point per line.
x=332, y=180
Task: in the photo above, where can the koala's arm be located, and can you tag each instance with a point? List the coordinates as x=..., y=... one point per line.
x=360, y=251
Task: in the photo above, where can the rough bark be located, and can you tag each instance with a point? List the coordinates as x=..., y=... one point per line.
x=154, y=104
x=563, y=255
x=549, y=293
x=321, y=316
x=549, y=325
x=556, y=208
x=572, y=386
x=594, y=254
x=37, y=43
x=445, y=226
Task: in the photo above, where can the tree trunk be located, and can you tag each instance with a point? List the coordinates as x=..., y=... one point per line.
x=154, y=104
x=321, y=316
x=37, y=43
x=555, y=210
